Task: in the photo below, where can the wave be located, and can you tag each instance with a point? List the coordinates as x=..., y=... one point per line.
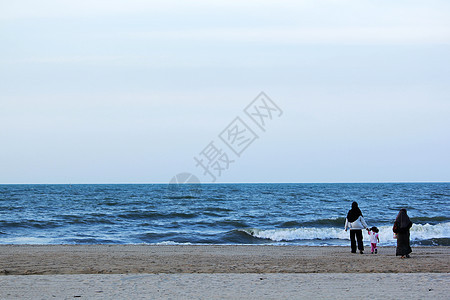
x=39, y=224
x=90, y=241
x=419, y=232
x=430, y=220
x=136, y=215
x=326, y=222
x=169, y=243
x=428, y=231
x=289, y=224
x=230, y=223
x=336, y=222
x=181, y=197
x=293, y=234
x=435, y=242
x=27, y=241
x=96, y=218
x=111, y=202
x=217, y=209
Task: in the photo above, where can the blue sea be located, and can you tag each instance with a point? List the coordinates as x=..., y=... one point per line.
x=279, y=214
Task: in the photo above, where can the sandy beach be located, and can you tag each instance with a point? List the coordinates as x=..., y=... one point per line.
x=227, y=286
x=216, y=271
x=123, y=259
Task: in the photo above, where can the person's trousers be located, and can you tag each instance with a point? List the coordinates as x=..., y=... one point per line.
x=373, y=246
x=359, y=237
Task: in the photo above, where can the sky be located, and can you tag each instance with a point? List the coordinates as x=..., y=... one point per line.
x=134, y=91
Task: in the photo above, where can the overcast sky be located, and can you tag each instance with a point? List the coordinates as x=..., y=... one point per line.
x=131, y=91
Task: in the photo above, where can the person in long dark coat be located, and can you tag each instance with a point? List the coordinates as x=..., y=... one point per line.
x=402, y=225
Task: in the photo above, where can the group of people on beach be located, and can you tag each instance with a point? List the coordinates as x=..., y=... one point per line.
x=356, y=223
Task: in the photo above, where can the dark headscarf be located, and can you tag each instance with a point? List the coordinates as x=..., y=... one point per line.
x=354, y=213
x=402, y=219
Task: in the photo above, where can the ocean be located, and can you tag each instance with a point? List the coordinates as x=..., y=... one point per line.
x=277, y=214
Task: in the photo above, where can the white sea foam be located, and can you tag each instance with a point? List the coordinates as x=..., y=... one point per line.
x=302, y=233
x=418, y=232
x=27, y=240
x=427, y=231
x=172, y=243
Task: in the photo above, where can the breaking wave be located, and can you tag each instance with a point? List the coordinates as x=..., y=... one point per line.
x=419, y=233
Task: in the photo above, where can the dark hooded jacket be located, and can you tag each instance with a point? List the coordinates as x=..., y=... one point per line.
x=402, y=223
x=354, y=213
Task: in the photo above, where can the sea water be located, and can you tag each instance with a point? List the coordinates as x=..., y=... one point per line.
x=281, y=214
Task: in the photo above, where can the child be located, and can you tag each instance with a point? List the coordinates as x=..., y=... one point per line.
x=373, y=232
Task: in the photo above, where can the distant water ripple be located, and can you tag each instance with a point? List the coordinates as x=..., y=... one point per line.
x=305, y=214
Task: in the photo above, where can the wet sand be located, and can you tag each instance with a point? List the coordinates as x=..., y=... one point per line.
x=155, y=259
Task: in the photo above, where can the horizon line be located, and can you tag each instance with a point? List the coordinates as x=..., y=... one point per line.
x=211, y=183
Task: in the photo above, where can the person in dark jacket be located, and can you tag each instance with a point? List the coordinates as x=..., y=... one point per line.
x=355, y=222
x=402, y=225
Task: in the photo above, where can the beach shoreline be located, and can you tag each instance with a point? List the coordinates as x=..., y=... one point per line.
x=220, y=272
x=156, y=259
